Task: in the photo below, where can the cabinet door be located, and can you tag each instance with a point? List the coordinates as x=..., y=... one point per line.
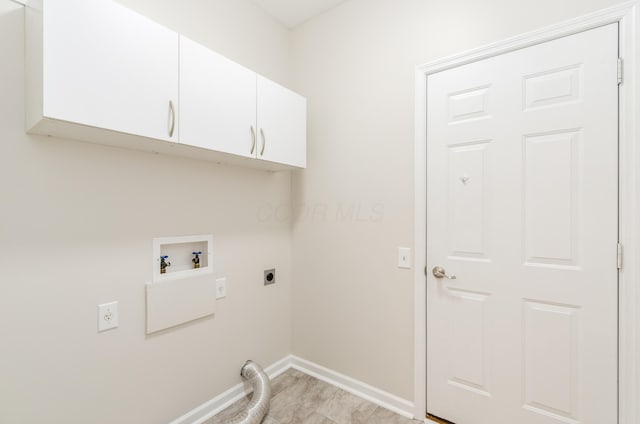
x=282, y=123
x=217, y=101
x=109, y=67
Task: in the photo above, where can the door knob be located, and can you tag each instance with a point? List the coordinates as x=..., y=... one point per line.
x=439, y=272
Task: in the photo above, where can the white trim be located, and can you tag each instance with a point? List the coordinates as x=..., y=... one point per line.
x=372, y=394
x=553, y=32
x=629, y=237
x=420, y=249
x=210, y=408
x=627, y=15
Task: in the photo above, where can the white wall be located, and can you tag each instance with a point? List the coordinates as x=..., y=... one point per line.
x=239, y=30
x=353, y=309
x=76, y=228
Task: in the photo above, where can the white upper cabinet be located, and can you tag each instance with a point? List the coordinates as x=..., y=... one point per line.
x=217, y=101
x=282, y=124
x=99, y=72
x=103, y=66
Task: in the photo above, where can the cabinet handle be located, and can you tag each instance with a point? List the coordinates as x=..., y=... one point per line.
x=172, y=122
x=253, y=139
x=264, y=141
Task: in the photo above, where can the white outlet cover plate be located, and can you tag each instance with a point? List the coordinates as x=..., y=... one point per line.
x=404, y=257
x=221, y=288
x=107, y=316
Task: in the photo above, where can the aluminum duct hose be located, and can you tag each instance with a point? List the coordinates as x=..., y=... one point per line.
x=259, y=404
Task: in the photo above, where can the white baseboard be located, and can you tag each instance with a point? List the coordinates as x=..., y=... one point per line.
x=228, y=398
x=372, y=394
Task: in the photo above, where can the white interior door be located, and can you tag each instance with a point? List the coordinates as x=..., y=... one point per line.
x=522, y=208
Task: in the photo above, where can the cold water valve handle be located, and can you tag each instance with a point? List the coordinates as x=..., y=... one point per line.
x=164, y=263
x=196, y=259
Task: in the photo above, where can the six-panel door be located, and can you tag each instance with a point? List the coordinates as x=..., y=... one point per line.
x=522, y=207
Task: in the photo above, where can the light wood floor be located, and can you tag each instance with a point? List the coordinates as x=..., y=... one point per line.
x=300, y=399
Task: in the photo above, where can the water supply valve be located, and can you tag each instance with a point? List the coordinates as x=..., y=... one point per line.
x=164, y=263
x=196, y=259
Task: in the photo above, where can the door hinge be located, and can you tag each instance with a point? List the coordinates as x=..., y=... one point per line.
x=620, y=71
x=620, y=251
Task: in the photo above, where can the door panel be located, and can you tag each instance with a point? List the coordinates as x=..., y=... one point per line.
x=522, y=209
x=467, y=217
x=468, y=331
x=550, y=359
x=550, y=207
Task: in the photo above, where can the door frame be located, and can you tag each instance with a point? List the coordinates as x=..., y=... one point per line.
x=627, y=15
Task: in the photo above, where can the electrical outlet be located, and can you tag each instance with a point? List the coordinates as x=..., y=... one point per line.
x=221, y=288
x=107, y=316
x=404, y=257
x=269, y=276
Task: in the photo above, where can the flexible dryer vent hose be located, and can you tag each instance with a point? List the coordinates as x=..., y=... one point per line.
x=259, y=404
